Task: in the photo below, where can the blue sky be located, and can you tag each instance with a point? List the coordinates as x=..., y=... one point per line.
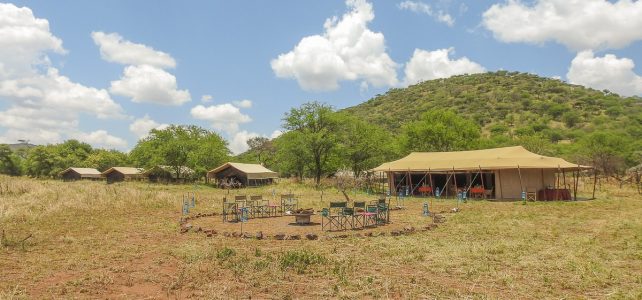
x=106, y=72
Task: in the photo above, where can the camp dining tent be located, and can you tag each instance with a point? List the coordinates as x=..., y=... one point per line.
x=504, y=173
x=71, y=174
x=246, y=174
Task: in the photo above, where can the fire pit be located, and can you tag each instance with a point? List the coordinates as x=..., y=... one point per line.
x=302, y=216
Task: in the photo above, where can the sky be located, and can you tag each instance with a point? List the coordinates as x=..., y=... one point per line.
x=107, y=72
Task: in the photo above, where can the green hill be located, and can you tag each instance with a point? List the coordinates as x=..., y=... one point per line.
x=509, y=103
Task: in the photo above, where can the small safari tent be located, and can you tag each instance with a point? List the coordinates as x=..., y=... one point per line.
x=499, y=173
x=71, y=174
x=246, y=174
x=116, y=174
x=167, y=174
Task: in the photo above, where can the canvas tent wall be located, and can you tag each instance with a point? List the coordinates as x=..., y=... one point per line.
x=161, y=173
x=509, y=170
x=71, y=174
x=116, y=174
x=246, y=174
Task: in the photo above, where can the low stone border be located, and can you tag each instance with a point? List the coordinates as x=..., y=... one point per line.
x=185, y=227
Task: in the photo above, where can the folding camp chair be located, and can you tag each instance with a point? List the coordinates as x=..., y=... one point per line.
x=531, y=194
x=230, y=211
x=348, y=220
x=259, y=206
x=333, y=217
x=288, y=202
x=383, y=211
x=358, y=215
x=370, y=216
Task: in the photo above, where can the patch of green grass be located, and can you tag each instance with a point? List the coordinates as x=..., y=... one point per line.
x=300, y=260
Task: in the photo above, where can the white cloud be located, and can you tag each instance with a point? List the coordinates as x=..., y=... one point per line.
x=238, y=144
x=24, y=39
x=44, y=106
x=102, y=139
x=423, y=8
x=226, y=117
x=276, y=134
x=243, y=103
x=347, y=50
x=607, y=72
x=577, y=24
x=114, y=48
x=427, y=65
x=141, y=127
x=150, y=84
x=206, y=98
x=144, y=80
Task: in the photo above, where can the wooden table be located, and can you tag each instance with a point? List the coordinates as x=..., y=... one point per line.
x=553, y=194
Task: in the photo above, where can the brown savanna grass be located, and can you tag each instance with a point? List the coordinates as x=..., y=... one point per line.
x=92, y=240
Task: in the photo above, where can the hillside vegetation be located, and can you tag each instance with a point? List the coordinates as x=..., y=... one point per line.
x=509, y=103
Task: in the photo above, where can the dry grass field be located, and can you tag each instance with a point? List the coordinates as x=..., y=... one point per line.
x=92, y=240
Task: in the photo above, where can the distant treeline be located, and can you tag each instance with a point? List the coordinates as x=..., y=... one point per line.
x=544, y=115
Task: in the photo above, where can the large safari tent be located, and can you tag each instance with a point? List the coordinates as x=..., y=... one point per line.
x=116, y=174
x=499, y=173
x=246, y=174
x=71, y=174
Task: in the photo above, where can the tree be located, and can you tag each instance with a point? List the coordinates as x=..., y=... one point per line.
x=292, y=155
x=261, y=147
x=606, y=151
x=41, y=162
x=363, y=145
x=317, y=124
x=9, y=162
x=179, y=146
x=102, y=160
x=440, y=130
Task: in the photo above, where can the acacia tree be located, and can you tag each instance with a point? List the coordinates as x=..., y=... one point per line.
x=179, y=146
x=318, y=126
x=262, y=147
x=440, y=130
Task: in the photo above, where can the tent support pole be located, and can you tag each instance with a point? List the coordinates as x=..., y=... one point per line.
x=408, y=183
x=446, y=185
x=423, y=179
x=577, y=182
x=456, y=187
x=557, y=188
x=594, y=181
x=521, y=185
x=432, y=186
x=501, y=188
x=410, y=189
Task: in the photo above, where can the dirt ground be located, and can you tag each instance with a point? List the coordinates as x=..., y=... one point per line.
x=124, y=241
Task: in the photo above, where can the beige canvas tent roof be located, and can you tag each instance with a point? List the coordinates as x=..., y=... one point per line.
x=83, y=172
x=125, y=170
x=253, y=171
x=487, y=159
